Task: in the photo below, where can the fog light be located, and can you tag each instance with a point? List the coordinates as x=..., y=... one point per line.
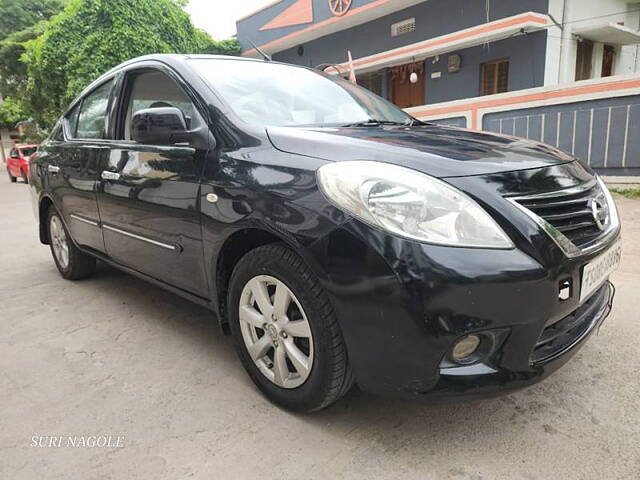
x=465, y=348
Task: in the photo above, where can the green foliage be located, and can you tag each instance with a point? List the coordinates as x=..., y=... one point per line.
x=91, y=36
x=12, y=111
x=13, y=72
x=16, y=15
x=627, y=192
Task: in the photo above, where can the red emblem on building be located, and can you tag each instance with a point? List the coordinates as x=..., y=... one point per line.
x=339, y=7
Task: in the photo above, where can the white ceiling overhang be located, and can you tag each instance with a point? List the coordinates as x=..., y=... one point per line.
x=610, y=33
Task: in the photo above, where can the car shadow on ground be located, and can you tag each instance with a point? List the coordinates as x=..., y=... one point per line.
x=357, y=411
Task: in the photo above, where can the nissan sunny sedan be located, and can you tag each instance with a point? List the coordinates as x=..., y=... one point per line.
x=338, y=239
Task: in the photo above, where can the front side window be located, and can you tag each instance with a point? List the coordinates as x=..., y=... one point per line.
x=93, y=113
x=273, y=94
x=14, y=153
x=153, y=89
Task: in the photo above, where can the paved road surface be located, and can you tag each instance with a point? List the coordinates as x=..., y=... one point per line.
x=112, y=355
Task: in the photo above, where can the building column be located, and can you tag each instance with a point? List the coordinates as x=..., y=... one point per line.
x=554, y=44
x=568, y=56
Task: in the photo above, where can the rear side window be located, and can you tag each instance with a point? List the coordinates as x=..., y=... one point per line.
x=93, y=113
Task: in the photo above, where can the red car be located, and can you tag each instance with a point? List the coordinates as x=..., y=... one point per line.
x=18, y=161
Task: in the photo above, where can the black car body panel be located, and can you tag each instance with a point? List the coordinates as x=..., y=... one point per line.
x=436, y=150
x=396, y=299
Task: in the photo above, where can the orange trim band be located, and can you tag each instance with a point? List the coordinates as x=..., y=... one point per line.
x=532, y=97
x=324, y=23
x=453, y=38
x=297, y=14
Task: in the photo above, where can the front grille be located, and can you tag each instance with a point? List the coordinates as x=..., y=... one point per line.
x=568, y=211
x=562, y=334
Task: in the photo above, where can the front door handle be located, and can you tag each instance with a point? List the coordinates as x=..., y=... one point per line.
x=53, y=169
x=107, y=175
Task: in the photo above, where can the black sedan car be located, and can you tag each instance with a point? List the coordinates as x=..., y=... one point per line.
x=338, y=239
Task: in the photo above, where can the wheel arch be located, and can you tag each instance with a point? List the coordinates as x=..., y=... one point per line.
x=234, y=248
x=43, y=209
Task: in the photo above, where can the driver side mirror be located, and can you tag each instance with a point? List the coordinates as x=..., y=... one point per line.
x=159, y=126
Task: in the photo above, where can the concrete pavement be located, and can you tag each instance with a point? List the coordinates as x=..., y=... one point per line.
x=113, y=355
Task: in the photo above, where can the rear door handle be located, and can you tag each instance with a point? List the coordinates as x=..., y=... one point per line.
x=53, y=169
x=107, y=175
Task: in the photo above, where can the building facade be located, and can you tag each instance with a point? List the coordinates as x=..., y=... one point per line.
x=560, y=71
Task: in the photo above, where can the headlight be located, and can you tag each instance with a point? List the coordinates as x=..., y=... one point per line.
x=409, y=204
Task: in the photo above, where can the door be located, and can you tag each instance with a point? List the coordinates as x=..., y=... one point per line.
x=402, y=91
x=73, y=165
x=148, y=194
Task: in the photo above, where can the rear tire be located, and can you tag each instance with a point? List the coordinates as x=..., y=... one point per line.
x=314, y=362
x=12, y=179
x=71, y=262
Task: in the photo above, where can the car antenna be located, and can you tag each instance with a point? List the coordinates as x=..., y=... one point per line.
x=265, y=57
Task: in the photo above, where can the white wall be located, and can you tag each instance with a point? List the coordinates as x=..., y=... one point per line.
x=576, y=14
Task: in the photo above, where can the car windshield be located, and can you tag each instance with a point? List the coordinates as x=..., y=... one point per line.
x=27, y=151
x=274, y=94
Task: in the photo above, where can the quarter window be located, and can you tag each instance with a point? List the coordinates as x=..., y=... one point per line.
x=93, y=113
x=72, y=121
x=494, y=77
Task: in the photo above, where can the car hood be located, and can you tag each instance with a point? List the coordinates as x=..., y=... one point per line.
x=435, y=150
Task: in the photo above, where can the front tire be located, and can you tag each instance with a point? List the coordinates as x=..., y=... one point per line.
x=286, y=332
x=71, y=262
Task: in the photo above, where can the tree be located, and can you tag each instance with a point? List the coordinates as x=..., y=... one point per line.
x=20, y=21
x=13, y=72
x=16, y=15
x=91, y=36
x=11, y=112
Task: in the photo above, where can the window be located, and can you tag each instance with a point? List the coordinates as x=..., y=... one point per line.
x=153, y=89
x=14, y=153
x=93, y=113
x=494, y=77
x=584, y=60
x=72, y=121
x=371, y=81
x=608, y=58
x=27, y=151
x=268, y=93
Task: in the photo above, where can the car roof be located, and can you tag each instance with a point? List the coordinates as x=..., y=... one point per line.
x=178, y=57
x=171, y=59
x=25, y=145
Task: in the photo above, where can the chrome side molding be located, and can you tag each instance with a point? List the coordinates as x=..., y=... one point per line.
x=140, y=237
x=84, y=220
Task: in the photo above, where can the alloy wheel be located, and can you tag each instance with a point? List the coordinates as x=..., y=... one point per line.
x=276, y=331
x=59, y=242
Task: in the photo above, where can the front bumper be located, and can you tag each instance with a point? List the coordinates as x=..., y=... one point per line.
x=402, y=306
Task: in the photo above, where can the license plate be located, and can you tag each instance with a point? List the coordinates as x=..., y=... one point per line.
x=597, y=271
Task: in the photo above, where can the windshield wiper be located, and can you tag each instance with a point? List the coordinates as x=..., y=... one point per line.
x=374, y=122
